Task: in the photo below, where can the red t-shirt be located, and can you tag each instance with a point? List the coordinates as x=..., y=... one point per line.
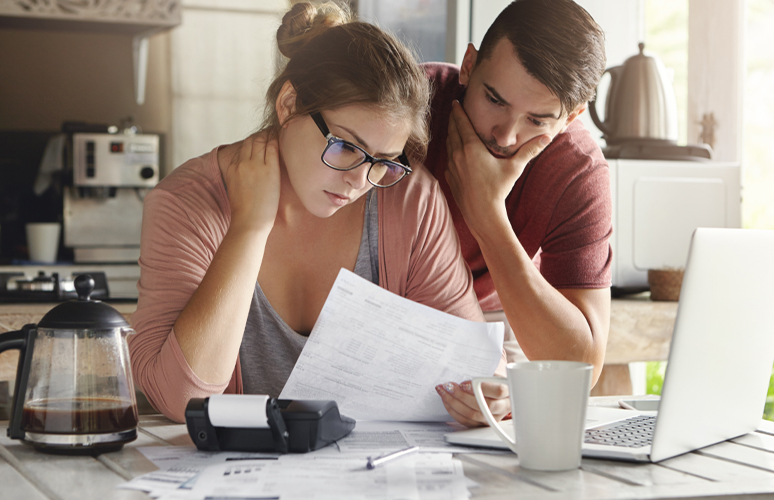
x=560, y=206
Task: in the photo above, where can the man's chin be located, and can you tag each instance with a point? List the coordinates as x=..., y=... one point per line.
x=495, y=150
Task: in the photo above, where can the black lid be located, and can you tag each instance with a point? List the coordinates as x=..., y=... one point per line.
x=83, y=313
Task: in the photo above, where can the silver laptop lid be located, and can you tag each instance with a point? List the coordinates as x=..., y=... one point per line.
x=722, y=350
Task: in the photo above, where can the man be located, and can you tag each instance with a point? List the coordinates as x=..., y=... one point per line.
x=528, y=187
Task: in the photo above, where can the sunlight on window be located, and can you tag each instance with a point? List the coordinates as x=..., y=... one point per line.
x=758, y=163
x=666, y=36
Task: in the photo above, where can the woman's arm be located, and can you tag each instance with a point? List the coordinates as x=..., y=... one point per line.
x=209, y=329
x=198, y=275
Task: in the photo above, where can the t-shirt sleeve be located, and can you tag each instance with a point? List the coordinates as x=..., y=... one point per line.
x=576, y=252
x=173, y=261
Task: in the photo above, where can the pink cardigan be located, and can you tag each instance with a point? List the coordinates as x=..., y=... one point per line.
x=186, y=217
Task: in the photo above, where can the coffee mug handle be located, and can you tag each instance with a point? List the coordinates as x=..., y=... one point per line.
x=485, y=408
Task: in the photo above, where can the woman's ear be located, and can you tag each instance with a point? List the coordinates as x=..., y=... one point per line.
x=286, y=103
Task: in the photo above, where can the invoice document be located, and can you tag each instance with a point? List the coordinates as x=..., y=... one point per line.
x=308, y=476
x=179, y=465
x=380, y=356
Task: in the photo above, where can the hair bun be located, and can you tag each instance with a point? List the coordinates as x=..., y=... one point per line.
x=305, y=21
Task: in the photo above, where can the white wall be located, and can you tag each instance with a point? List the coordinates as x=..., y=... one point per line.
x=223, y=58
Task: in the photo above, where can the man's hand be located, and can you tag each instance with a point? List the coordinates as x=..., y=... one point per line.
x=461, y=403
x=479, y=181
x=253, y=182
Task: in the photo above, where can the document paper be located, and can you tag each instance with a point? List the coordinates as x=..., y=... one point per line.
x=310, y=477
x=380, y=356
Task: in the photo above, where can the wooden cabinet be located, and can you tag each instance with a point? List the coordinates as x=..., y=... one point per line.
x=129, y=17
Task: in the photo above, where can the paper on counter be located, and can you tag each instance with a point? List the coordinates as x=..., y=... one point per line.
x=380, y=356
x=189, y=456
x=376, y=436
x=179, y=465
x=328, y=474
x=311, y=477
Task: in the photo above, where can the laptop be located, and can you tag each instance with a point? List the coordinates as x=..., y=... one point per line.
x=720, y=359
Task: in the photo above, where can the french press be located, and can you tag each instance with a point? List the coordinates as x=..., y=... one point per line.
x=74, y=392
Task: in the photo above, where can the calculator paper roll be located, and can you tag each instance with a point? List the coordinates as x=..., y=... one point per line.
x=238, y=410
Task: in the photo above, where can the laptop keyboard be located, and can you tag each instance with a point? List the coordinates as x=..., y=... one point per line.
x=633, y=432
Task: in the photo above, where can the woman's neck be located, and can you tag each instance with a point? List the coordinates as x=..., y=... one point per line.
x=291, y=212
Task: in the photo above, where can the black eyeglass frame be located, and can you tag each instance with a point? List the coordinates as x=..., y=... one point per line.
x=371, y=160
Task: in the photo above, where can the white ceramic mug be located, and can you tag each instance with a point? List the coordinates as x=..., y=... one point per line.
x=43, y=241
x=548, y=404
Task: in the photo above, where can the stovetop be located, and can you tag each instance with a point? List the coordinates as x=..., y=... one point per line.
x=17, y=287
x=119, y=282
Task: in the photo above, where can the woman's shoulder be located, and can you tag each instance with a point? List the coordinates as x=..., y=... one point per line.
x=196, y=173
x=196, y=184
x=417, y=189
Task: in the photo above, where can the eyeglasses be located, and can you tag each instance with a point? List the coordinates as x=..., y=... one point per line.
x=343, y=155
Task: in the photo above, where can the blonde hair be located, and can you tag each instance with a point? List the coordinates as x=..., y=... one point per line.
x=334, y=61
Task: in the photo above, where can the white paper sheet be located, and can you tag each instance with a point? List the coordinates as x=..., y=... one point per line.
x=375, y=436
x=179, y=466
x=334, y=472
x=380, y=356
x=311, y=477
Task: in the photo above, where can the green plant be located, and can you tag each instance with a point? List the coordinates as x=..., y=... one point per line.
x=768, y=409
x=654, y=376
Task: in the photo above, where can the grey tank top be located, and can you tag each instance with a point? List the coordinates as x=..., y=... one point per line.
x=270, y=347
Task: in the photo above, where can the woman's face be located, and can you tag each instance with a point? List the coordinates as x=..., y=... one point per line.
x=321, y=189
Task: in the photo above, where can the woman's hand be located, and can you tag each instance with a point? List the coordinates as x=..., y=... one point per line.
x=253, y=182
x=461, y=403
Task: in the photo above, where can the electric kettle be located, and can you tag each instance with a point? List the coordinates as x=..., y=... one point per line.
x=640, y=103
x=74, y=392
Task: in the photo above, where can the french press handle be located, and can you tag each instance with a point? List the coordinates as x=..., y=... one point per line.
x=24, y=341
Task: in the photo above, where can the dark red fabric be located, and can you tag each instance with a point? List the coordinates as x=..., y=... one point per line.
x=561, y=205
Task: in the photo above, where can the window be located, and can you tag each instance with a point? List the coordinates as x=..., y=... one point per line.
x=666, y=36
x=758, y=152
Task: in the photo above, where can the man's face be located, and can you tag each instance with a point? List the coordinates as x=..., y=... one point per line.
x=506, y=105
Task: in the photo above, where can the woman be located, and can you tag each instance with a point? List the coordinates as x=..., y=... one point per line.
x=241, y=246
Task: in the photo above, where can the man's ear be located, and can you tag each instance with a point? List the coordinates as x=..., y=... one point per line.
x=286, y=103
x=573, y=115
x=468, y=63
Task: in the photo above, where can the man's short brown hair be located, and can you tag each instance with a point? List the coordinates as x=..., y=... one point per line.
x=557, y=42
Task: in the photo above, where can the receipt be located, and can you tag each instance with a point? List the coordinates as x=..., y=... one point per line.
x=238, y=410
x=380, y=356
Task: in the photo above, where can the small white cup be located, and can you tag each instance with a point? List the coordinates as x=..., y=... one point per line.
x=548, y=405
x=43, y=241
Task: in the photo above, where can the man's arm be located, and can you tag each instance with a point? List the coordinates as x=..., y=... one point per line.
x=548, y=323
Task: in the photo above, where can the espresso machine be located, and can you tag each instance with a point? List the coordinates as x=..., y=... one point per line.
x=102, y=207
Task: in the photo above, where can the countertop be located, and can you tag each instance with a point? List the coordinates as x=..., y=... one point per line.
x=729, y=470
